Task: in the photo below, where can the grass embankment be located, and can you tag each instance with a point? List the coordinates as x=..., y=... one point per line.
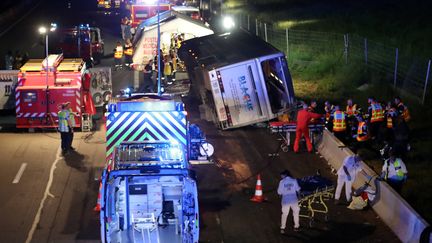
x=403, y=24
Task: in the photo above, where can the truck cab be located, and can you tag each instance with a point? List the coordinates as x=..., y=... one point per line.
x=143, y=11
x=97, y=44
x=148, y=193
x=80, y=41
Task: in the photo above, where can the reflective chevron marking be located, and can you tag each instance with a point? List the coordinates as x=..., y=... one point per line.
x=141, y=126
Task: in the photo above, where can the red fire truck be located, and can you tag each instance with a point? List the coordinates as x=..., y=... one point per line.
x=81, y=41
x=42, y=89
x=144, y=10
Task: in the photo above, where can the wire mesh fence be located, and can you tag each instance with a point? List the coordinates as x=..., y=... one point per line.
x=406, y=74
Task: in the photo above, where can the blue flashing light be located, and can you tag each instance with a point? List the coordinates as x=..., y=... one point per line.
x=53, y=27
x=160, y=105
x=111, y=108
x=111, y=117
x=84, y=26
x=180, y=106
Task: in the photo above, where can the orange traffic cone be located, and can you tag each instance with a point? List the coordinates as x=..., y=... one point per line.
x=97, y=208
x=258, y=191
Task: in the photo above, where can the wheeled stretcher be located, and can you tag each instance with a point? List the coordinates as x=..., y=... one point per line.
x=284, y=129
x=315, y=191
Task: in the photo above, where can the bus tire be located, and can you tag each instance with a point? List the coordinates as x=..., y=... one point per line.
x=106, y=96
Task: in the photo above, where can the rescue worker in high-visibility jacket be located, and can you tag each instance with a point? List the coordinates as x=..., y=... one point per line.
x=118, y=55
x=64, y=125
x=376, y=118
x=303, y=119
x=394, y=171
x=362, y=130
x=128, y=53
x=402, y=109
x=339, y=123
x=167, y=68
x=351, y=108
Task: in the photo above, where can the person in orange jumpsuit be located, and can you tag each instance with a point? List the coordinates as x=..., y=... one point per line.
x=303, y=118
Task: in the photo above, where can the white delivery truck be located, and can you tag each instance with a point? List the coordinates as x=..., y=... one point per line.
x=240, y=79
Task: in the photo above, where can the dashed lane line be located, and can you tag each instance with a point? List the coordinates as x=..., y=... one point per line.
x=20, y=173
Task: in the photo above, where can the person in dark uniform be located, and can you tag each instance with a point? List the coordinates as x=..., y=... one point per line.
x=147, y=84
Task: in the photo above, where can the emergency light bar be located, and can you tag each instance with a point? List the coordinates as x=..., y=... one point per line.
x=145, y=105
x=156, y=154
x=146, y=1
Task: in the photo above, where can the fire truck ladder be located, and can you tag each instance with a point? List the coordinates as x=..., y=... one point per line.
x=86, y=122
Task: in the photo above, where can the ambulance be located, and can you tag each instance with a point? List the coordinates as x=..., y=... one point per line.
x=148, y=192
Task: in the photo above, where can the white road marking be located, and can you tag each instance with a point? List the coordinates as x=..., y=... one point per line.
x=20, y=173
x=218, y=219
x=46, y=194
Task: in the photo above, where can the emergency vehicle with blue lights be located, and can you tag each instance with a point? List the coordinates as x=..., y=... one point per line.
x=144, y=9
x=82, y=41
x=148, y=193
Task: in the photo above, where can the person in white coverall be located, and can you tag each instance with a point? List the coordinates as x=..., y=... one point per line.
x=288, y=189
x=347, y=175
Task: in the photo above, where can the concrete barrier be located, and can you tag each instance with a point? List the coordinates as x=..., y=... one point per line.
x=404, y=221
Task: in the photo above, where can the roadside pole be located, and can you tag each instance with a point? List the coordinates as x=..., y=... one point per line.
x=395, y=68
x=426, y=82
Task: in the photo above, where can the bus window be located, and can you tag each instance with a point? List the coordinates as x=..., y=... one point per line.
x=275, y=82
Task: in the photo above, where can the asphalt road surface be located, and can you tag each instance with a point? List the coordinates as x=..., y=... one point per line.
x=46, y=197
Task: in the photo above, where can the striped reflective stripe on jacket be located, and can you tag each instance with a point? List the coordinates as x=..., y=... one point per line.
x=339, y=124
x=63, y=117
